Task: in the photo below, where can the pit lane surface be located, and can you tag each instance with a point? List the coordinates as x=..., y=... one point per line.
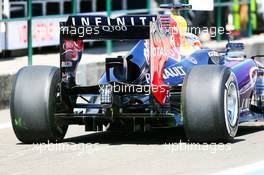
x=162, y=152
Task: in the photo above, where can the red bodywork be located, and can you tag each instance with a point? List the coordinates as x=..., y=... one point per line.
x=161, y=48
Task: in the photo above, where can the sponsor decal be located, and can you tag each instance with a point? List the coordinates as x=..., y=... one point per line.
x=192, y=60
x=72, y=48
x=114, y=28
x=146, y=51
x=174, y=52
x=170, y=72
x=253, y=72
x=103, y=20
x=252, y=81
x=214, y=57
x=175, y=34
x=213, y=54
x=164, y=22
x=159, y=51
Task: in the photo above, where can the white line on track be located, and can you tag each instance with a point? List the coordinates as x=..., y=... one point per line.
x=5, y=125
x=250, y=169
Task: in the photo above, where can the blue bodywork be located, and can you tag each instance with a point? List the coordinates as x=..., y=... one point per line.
x=246, y=71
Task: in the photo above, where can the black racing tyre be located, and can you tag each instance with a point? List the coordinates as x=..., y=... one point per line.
x=210, y=104
x=34, y=100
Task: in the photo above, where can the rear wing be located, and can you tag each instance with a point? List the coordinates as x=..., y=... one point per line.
x=79, y=28
x=103, y=27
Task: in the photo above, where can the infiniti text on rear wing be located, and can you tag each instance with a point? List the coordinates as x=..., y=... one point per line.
x=103, y=28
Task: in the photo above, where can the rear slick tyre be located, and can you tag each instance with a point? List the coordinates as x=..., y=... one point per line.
x=210, y=104
x=33, y=103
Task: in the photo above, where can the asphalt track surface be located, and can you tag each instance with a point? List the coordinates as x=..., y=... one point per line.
x=161, y=152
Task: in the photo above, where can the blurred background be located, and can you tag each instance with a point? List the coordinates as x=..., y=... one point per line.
x=243, y=18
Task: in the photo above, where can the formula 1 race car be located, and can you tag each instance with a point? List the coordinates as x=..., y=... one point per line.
x=168, y=79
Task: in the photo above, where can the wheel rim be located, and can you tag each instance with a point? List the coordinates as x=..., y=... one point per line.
x=232, y=104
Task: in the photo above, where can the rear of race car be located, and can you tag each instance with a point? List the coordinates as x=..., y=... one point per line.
x=123, y=95
x=154, y=86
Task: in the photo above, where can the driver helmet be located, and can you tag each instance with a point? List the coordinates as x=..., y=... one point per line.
x=181, y=23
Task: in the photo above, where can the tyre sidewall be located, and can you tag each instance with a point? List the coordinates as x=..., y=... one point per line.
x=36, y=110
